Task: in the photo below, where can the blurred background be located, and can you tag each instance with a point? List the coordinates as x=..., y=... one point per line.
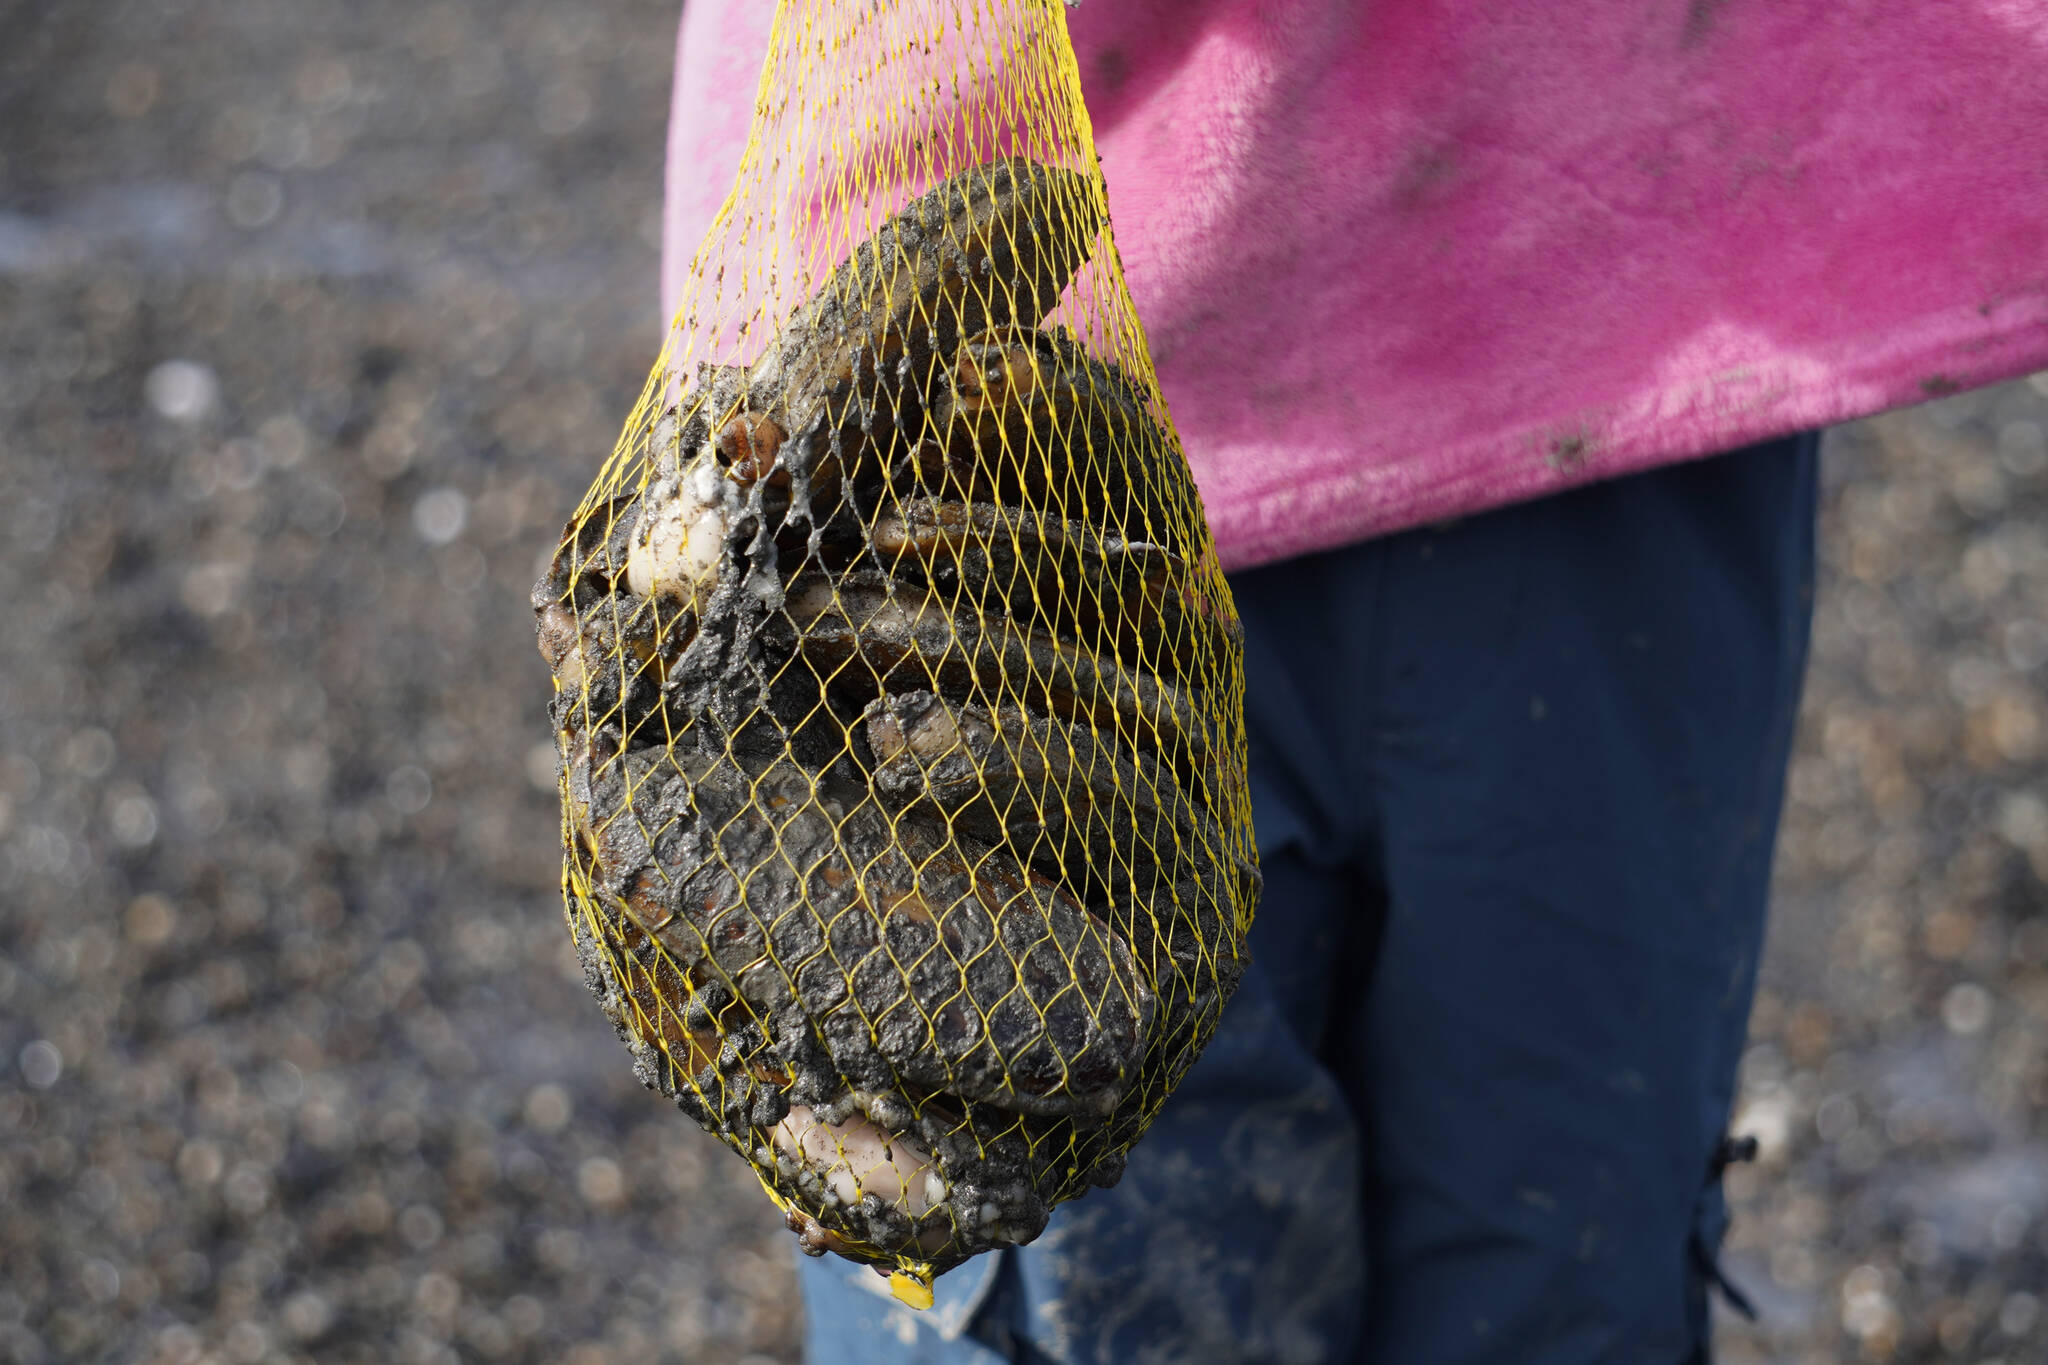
x=314, y=321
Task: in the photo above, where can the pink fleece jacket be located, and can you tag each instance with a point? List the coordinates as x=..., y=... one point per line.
x=1405, y=260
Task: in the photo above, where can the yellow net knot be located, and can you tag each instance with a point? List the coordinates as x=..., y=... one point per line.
x=911, y=1289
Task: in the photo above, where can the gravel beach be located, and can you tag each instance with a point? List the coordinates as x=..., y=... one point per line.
x=314, y=321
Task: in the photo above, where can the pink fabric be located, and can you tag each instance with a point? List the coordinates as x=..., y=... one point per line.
x=1406, y=260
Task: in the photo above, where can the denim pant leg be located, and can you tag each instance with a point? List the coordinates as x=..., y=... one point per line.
x=1516, y=783
x=1582, y=715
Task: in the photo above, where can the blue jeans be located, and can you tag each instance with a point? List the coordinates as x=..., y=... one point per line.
x=1516, y=782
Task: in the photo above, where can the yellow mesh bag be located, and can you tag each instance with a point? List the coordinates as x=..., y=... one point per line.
x=898, y=688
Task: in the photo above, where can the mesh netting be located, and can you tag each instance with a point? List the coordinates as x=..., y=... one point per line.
x=898, y=689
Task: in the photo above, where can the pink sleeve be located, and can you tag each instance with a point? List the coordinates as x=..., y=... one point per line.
x=719, y=50
x=1408, y=261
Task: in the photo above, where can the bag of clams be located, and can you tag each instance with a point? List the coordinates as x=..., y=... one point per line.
x=898, y=690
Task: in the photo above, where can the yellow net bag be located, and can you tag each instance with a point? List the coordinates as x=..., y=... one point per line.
x=898, y=688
